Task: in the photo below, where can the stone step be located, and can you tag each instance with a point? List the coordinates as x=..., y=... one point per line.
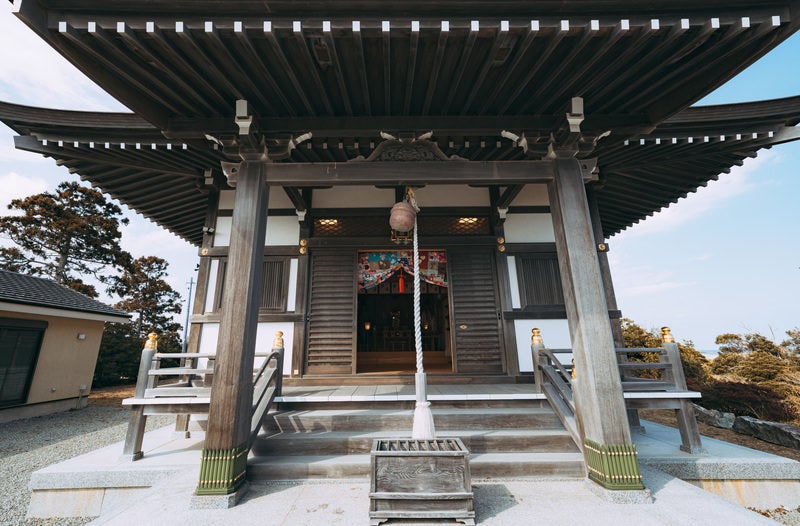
x=487, y=465
x=359, y=442
x=400, y=419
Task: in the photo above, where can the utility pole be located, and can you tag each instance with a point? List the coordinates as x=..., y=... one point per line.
x=186, y=323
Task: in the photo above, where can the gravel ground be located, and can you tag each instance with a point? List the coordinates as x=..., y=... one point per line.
x=34, y=443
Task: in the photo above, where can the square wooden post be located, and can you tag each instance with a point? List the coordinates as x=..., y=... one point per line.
x=600, y=406
x=224, y=458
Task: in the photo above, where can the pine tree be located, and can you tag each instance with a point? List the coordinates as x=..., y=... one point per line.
x=153, y=302
x=66, y=236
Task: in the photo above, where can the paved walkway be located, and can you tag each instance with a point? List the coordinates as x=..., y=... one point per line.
x=506, y=502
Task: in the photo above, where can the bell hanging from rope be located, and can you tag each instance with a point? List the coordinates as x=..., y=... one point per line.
x=402, y=217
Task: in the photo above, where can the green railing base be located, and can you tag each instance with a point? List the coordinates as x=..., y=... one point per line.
x=222, y=471
x=613, y=467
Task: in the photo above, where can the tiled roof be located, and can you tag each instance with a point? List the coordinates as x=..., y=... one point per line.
x=29, y=290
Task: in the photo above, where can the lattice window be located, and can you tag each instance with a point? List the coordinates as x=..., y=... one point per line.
x=540, y=279
x=378, y=226
x=274, y=291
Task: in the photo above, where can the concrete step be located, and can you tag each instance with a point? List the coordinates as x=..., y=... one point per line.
x=401, y=419
x=309, y=403
x=488, y=465
x=360, y=442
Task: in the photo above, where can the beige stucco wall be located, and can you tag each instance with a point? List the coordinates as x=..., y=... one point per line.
x=65, y=363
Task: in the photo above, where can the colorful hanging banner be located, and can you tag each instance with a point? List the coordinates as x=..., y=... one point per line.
x=376, y=267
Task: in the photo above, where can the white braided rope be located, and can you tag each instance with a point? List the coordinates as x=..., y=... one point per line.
x=417, y=314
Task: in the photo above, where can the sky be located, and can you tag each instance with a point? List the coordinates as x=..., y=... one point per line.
x=724, y=259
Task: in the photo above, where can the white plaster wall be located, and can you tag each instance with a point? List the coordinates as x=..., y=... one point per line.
x=516, y=302
x=529, y=228
x=291, y=298
x=452, y=195
x=265, y=334
x=354, y=197
x=211, y=289
x=555, y=334
x=283, y=230
x=532, y=195
x=226, y=200
x=277, y=199
x=222, y=231
x=209, y=333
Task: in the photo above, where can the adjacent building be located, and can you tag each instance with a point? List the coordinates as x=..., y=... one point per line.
x=49, y=340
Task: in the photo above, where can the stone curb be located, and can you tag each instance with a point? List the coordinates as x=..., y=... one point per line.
x=782, y=434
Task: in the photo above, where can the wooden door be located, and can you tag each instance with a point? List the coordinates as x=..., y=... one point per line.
x=331, y=313
x=475, y=302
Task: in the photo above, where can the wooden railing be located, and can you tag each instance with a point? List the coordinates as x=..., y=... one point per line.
x=655, y=384
x=554, y=379
x=186, y=390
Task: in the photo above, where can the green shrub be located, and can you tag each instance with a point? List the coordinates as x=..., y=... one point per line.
x=725, y=363
x=760, y=367
x=695, y=364
x=745, y=399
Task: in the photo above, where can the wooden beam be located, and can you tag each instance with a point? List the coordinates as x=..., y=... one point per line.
x=370, y=126
x=435, y=70
x=386, y=47
x=543, y=57
x=519, y=54
x=508, y=196
x=361, y=66
x=184, y=71
x=287, y=70
x=296, y=198
x=405, y=173
x=256, y=60
x=255, y=92
x=412, y=66
x=311, y=68
x=500, y=38
x=466, y=51
x=337, y=70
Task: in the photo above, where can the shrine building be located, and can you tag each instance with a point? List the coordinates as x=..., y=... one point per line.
x=275, y=136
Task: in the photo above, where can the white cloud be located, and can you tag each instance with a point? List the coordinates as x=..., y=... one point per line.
x=35, y=74
x=16, y=186
x=631, y=281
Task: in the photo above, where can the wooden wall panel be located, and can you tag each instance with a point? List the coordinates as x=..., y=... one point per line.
x=476, y=308
x=332, y=308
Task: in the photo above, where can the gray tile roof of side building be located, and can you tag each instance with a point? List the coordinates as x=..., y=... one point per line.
x=30, y=290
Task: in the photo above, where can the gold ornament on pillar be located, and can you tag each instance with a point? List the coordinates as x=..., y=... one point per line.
x=536, y=337
x=152, y=342
x=666, y=335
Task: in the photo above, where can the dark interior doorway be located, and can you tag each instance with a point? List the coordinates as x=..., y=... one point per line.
x=386, y=327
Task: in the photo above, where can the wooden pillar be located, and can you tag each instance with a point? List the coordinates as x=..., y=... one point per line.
x=634, y=423
x=224, y=459
x=610, y=455
x=605, y=269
